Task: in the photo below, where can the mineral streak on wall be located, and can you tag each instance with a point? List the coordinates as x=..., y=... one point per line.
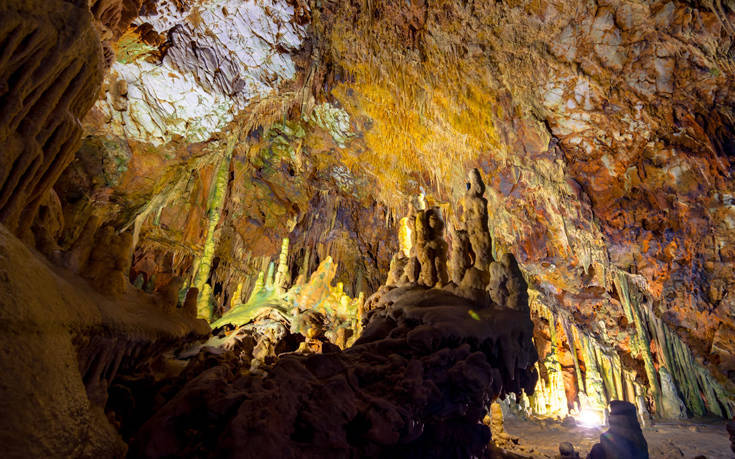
x=673, y=383
x=592, y=374
x=687, y=387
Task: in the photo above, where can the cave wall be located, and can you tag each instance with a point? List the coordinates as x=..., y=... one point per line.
x=601, y=132
x=51, y=69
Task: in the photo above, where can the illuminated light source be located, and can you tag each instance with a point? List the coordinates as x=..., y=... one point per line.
x=589, y=418
x=405, y=236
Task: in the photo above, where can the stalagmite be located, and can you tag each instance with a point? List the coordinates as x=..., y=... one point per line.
x=573, y=349
x=282, y=276
x=476, y=220
x=506, y=285
x=427, y=339
x=199, y=201
x=431, y=248
x=641, y=339
x=215, y=205
x=594, y=399
x=460, y=260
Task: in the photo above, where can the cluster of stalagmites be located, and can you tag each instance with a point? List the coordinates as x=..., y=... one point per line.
x=417, y=383
x=472, y=271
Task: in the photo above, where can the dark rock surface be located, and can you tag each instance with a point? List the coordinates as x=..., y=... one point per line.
x=625, y=438
x=416, y=384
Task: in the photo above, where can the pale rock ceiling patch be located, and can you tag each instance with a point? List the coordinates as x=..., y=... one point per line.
x=223, y=55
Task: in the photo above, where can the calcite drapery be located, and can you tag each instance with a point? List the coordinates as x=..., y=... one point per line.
x=50, y=71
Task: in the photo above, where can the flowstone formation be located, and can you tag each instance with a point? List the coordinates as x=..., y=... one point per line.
x=49, y=77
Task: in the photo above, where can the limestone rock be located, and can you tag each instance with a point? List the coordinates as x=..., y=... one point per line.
x=170, y=293
x=506, y=284
x=80, y=341
x=190, y=302
x=460, y=260
x=50, y=72
x=109, y=261
x=476, y=220
x=397, y=268
x=219, y=56
x=431, y=248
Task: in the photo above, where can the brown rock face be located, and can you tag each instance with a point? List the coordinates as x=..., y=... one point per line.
x=64, y=345
x=414, y=385
x=50, y=73
x=606, y=151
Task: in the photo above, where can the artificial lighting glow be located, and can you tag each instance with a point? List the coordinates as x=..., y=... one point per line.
x=405, y=235
x=589, y=418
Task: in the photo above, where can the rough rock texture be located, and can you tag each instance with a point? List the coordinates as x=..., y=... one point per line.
x=431, y=249
x=603, y=132
x=218, y=56
x=600, y=130
x=63, y=344
x=476, y=221
x=416, y=383
x=50, y=72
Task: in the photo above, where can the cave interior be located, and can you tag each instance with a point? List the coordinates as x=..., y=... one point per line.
x=367, y=228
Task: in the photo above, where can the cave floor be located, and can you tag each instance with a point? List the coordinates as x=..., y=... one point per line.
x=687, y=439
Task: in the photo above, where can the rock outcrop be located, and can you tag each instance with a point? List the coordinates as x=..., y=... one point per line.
x=416, y=383
x=64, y=344
x=50, y=73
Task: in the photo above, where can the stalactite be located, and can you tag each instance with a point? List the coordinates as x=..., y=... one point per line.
x=702, y=394
x=594, y=399
x=640, y=338
x=679, y=374
x=573, y=349
x=549, y=397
